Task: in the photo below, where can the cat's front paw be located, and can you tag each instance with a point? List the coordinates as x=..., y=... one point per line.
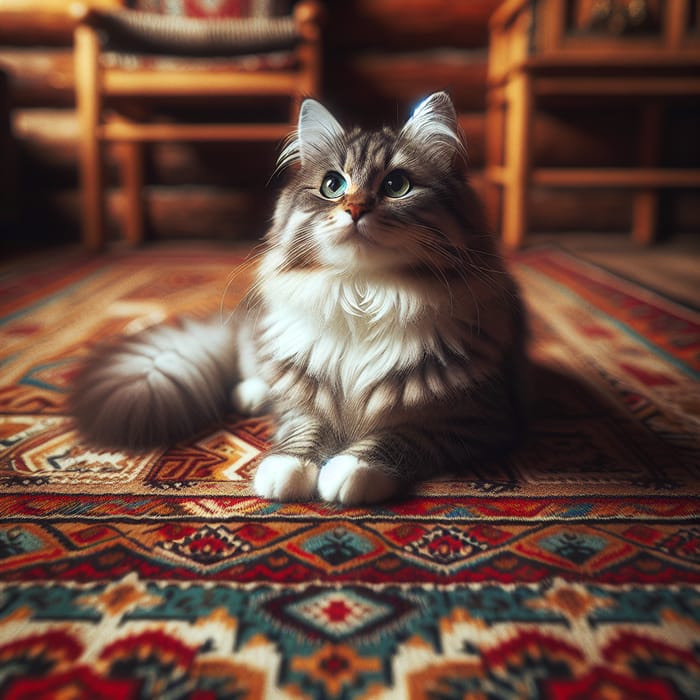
x=352, y=481
x=286, y=478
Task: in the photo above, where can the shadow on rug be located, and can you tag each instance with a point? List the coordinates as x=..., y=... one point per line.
x=571, y=569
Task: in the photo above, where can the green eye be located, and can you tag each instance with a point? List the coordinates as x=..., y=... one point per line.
x=396, y=184
x=334, y=185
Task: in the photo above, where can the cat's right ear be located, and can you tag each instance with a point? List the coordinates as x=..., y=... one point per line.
x=317, y=131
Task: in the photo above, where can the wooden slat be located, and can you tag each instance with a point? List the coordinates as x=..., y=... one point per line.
x=616, y=177
x=650, y=58
x=41, y=22
x=40, y=76
x=201, y=84
x=605, y=177
x=617, y=86
x=123, y=131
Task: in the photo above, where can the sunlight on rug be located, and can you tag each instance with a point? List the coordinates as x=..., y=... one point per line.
x=570, y=569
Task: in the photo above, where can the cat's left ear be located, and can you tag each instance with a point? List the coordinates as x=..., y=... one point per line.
x=434, y=124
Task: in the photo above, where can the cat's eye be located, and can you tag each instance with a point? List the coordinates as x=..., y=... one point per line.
x=396, y=184
x=334, y=185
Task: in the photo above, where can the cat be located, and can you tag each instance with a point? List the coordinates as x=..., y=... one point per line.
x=383, y=332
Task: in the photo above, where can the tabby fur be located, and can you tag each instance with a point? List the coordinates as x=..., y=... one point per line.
x=383, y=332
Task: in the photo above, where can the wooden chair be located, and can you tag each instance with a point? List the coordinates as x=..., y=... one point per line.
x=120, y=65
x=545, y=49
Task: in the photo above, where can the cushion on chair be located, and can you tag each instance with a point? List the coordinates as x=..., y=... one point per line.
x=148, y=33
x=213, y=8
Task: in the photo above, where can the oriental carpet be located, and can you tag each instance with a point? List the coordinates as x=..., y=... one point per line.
x=568, y=570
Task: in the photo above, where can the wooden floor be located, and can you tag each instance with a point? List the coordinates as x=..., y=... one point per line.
x=671, y=267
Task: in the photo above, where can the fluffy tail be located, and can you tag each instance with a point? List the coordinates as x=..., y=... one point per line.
x=156, y=387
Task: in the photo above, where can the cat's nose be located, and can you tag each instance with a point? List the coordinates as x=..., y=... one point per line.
x=356, y=210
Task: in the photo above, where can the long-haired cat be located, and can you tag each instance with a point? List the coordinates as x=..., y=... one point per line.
x=383, y=332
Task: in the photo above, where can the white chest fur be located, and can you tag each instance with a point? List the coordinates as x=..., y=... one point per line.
x=352, y=334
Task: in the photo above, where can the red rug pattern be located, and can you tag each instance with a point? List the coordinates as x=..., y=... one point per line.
x=569, y=569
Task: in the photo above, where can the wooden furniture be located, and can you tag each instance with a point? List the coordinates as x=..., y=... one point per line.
x=8, y=164
x=125, y=59
x=646, y=50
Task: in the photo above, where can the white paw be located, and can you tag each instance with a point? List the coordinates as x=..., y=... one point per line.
x=249, y=396
x=286, y=478
x=351, y=481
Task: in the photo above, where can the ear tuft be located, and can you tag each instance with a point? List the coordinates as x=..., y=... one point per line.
x=434, y=124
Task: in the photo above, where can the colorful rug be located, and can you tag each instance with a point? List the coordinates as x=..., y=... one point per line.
x=569, y=570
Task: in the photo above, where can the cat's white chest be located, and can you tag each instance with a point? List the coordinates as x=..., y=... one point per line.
x=351, y=338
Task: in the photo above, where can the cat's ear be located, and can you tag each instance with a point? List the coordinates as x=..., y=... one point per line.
x=434, y=125
x=317, y=131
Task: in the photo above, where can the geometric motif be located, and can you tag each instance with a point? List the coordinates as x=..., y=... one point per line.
x=16, y=540
x=685, y=543
x=446, y=545
x=45, y=449
x=338, y=545
x=207, y=545
x=576, y=547
x=569, y=568
x=216, y=456
x=559, y=639
x=338, y=615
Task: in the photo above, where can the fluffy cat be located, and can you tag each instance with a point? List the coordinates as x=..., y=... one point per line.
x=383, y=332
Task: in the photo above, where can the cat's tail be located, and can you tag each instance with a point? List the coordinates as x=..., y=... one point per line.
x=156, y=387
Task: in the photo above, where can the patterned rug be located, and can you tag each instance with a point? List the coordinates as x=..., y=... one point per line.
x=569, y=570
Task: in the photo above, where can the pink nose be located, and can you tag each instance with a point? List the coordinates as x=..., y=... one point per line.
x=356, y=210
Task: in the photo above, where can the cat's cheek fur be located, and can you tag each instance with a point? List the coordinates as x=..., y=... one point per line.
x=351, y=481
x=283, y=477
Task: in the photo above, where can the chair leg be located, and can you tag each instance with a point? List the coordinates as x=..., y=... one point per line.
x=91, y=167
x=645, y=213
x=517, y=160
x=132, y=173
x=92, y=186
x=494, y=158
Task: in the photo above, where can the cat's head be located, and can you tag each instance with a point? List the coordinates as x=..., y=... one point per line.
x=374, y=199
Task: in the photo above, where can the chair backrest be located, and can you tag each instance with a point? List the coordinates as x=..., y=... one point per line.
x=213, y=9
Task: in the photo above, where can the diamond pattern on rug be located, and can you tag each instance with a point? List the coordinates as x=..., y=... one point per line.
x=338, y=615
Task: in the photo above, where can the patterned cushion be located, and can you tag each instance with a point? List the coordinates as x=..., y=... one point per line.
x=273, y=61
x=145, y=32
x=212, y=9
